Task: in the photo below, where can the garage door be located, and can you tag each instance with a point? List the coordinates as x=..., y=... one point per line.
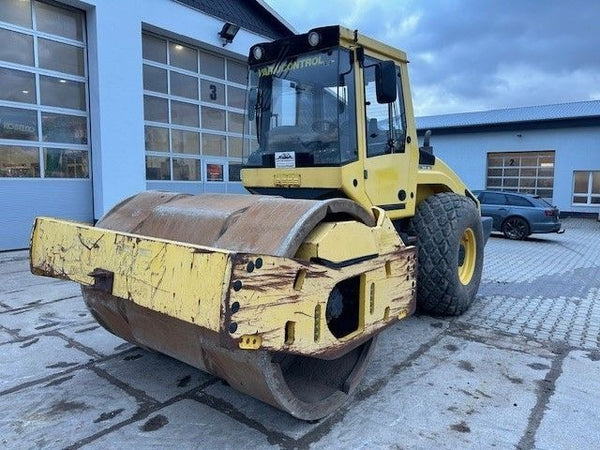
x=194, y=117
x=44, y=127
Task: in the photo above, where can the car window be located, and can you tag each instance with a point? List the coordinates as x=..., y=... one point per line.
x=493, y=198
x=538, y=201
x=515, y=200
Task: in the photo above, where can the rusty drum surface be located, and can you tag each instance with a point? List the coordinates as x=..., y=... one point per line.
x=306, y=387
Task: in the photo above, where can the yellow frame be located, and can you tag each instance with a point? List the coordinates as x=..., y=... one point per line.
x=253, y=301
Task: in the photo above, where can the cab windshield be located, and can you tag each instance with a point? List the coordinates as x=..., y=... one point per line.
x=301, y=112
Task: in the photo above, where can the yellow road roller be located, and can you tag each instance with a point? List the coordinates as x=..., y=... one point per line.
x=351, y=228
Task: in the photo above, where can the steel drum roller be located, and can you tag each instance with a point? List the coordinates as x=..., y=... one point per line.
x=306, y=387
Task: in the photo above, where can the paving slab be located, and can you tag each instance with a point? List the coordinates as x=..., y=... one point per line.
x=39, y=293
x=23, y=362
x=572, y=416
x=62, y=411
x=18, y=276
x=186, y=424
x=35, y=319
x=18, y=255
x=18, y=284
x=449, y=397
x=158, y=376
x=403, y=341
x=94, y=337
x=259, y=414
x=5, y=336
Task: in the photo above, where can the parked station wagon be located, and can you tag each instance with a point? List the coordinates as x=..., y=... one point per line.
x=519, y=215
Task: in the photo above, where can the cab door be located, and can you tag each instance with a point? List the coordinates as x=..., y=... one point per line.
x=386, y=163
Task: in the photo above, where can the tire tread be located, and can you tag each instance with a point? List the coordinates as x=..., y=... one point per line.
x=438, y=223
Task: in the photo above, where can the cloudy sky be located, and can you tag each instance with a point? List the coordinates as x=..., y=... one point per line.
x=474, y=55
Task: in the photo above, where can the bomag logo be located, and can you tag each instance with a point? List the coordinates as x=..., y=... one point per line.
x=276, y=69
x=285, y=155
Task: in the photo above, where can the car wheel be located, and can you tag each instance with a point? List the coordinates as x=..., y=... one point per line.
x=515, y=228
x=450, y=244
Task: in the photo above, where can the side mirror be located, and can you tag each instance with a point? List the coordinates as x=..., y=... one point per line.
x=252, y=100
x=385, y=82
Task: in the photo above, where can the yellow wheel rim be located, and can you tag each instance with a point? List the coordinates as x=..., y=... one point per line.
x=467, y=255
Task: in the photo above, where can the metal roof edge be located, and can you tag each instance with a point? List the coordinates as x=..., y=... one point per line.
x=260, y=3
x=568, y=122
x=519, y=116
x=277, y=16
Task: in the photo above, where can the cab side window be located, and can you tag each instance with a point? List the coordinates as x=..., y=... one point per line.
x=386, y=123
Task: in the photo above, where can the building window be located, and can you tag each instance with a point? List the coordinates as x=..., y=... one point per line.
x=527, y=172
x=193, y=109
x=43, y=95
x=586, y=187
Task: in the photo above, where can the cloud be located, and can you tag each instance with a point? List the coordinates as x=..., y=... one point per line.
x=470, y=54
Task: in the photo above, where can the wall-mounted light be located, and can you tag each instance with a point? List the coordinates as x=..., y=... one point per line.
x=228, y=32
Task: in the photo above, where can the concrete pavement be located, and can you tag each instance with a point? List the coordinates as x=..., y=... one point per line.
x=521, y=369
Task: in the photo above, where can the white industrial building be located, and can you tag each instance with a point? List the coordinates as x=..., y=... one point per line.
x=551, y=150
x=102, y=99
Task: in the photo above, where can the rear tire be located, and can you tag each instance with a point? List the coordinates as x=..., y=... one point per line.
x=450, y=246
x=515, y=228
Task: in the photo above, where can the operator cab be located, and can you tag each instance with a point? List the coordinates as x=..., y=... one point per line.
x=326, y=118
x=302, y=106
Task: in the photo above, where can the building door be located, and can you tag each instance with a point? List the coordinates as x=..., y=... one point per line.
x=44, y=128
x=194, y=104
x=529, y=172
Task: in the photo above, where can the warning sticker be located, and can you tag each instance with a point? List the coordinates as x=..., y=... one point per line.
x=285, y=159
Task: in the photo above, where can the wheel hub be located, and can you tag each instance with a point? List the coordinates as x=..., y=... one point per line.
x=467, y=256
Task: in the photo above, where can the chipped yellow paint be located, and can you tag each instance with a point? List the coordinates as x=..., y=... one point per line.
x=272, y=296
x=277, y=305
x=250, y=342
x=180, y=280
x=403, y=313
x=267, y=300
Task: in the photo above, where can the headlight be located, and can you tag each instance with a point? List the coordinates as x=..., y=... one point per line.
x=314, y=38
x=257, y=52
